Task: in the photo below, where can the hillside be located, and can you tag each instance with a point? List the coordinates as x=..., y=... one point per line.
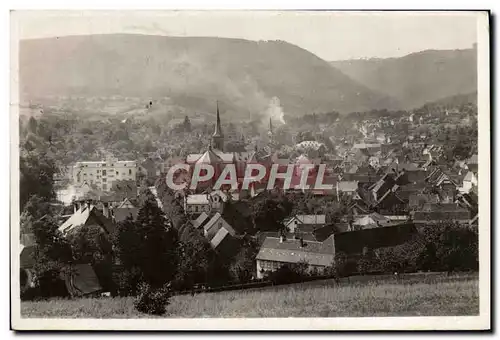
x=417, y=78
x=188, y=74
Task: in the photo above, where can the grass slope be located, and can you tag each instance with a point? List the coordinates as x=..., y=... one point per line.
x=411, y=296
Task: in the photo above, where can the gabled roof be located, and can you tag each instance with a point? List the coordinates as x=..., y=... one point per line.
x=82, y=215
x=82, y=280
x=217, y=217
x=221, y=234
x=209, y=157
x=307, y=219
x=200, y=220
x=126, y=204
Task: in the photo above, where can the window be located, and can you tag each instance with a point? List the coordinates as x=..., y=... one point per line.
x=117, y=173
x=130, y=171
x=104, y=180
x=104, y=172
x=104, y=187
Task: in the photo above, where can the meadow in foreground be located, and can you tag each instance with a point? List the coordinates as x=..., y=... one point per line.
x=457, y=295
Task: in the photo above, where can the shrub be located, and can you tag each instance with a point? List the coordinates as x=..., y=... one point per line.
x=288, y=273
x=152, y=300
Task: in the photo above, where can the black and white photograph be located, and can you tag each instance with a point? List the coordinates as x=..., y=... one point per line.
x=211, y=169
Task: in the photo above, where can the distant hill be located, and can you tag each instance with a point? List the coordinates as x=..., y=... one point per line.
x=418, y=77
x=191, y=73
x=456, y=101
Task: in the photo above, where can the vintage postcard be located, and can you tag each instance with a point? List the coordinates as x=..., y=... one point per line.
x=250, y=170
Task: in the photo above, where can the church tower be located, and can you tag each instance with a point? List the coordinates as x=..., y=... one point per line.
x=218, y=137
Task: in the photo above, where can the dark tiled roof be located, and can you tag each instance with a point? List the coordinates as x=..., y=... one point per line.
x=121, y=214
x=84, y=280
x=437, y=216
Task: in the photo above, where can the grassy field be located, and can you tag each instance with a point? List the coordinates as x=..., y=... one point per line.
x=412, y=295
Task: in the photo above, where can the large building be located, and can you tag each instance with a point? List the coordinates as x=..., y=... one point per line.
x=102, y=174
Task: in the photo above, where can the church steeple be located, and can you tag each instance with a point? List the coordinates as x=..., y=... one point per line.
x=218, y=136
x=270, y=126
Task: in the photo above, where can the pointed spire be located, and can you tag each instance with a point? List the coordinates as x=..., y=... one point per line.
x=270, y=126
x=218, y=129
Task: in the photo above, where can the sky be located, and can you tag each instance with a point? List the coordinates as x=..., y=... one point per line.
x=329, y=35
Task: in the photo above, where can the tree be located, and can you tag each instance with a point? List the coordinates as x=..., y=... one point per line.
x=34, y=209
x=243, y=266
x=195, y=257
x=91, y=244
x=52, y=257
x=269, y=211
x=36, y=177
x=147, y=247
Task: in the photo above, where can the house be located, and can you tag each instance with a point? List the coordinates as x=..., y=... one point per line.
x=372, y=220
x=347, y=188
x=87, y=215
x=209, y=202
x=215, y=223
x=276, y=252
x=224, y=242
x=304, y=223
x=124, y=210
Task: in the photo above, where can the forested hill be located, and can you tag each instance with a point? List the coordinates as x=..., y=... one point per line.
x=417, y=78
x=191, y=73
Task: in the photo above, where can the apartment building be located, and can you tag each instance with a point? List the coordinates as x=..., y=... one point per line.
x=102, y=174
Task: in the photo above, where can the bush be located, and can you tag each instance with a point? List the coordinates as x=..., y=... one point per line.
x=152, y=301
x=288, y=273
